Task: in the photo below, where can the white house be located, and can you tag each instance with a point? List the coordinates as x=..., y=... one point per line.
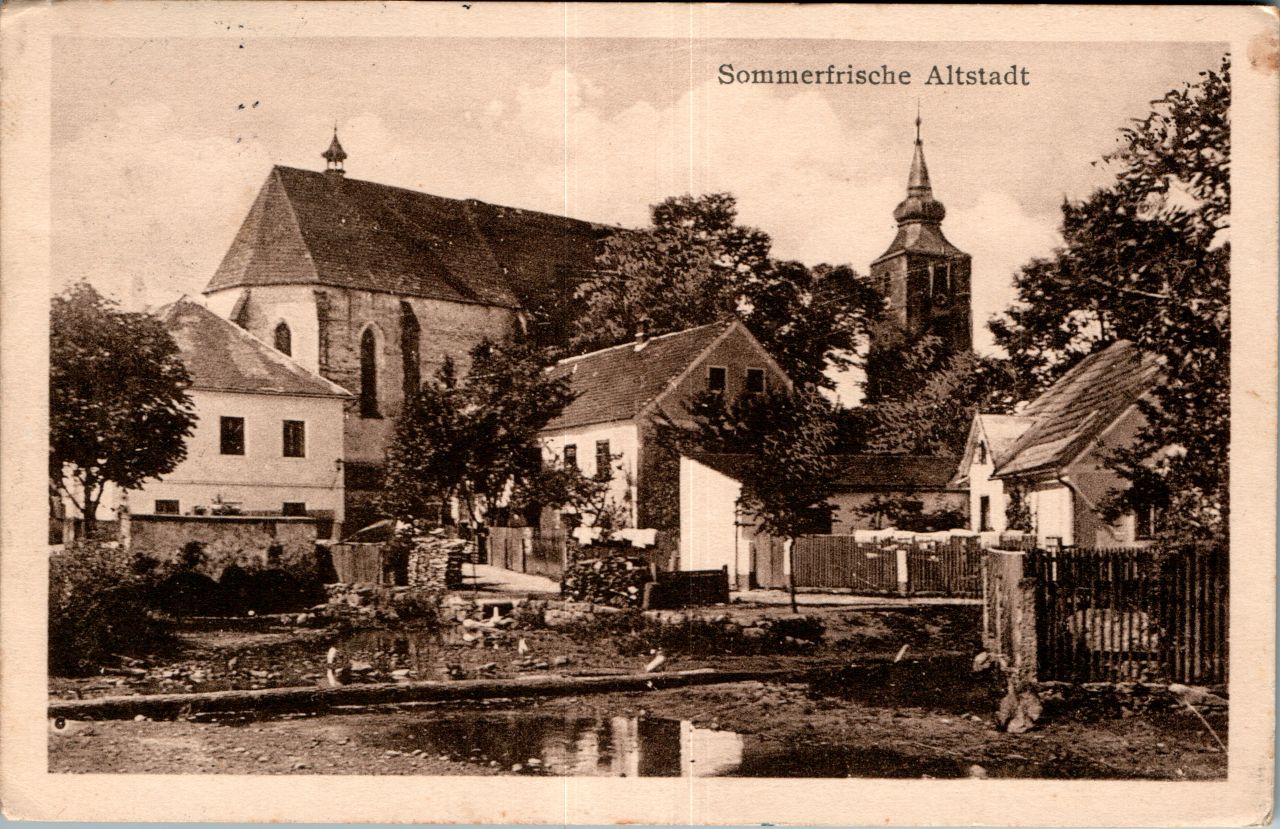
x=1052, y=456
x=268, y=440
x=621, y=392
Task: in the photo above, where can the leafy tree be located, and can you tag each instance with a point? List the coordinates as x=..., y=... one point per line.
x=471, y=438
x=907, y=512
x=696, y=265
x=558, y=485
x=790, y=437
x=938, y=395
x=1147, y=259
x=119, y=411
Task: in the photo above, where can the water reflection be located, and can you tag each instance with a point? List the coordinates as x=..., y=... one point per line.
x=608, y=747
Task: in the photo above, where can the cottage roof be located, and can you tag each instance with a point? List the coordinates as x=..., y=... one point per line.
x=222, y=356
x=858, y=473
x=306, y=227
x=1074, y=411
x=1000, y=432
x=618, y=383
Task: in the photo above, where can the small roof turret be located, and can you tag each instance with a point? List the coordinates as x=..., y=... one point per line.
x=335, y=155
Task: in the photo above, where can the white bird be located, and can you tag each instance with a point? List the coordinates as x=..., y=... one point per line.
x=522, y=647
x=656, y=662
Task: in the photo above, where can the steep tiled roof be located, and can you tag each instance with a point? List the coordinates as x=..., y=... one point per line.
x=858, y=472
x=617, y=383
x=909, y=472
x=323, y=228
x=222, y=356
x=1079, y=407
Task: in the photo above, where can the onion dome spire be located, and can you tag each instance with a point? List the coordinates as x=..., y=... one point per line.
x=919, y=205
x=335, y=155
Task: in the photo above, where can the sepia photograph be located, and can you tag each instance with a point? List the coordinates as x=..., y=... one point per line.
x=558, y=404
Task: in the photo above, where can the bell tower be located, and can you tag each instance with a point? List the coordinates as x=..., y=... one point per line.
x=925, y=278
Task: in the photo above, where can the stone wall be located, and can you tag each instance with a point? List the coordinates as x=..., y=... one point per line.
x=242, y=540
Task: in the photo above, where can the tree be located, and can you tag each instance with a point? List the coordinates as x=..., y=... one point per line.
x=696, y=265
x=1147, y=259
x=789, y=437
x=470, y=439
x=557, y=485
x=119, y=411
x=937, y=395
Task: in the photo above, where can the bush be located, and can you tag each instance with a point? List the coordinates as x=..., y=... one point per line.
x=266, y=590
x=100, y=606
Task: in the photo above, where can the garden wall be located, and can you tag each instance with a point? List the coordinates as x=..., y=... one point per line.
x=247, y=541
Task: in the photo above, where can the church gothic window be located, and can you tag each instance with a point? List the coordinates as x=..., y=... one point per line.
x=284, y=339
x=410, y=341
x=368, y=374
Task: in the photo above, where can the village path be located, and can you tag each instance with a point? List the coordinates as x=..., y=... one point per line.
x=489, y=580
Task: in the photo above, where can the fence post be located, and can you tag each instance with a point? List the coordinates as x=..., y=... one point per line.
x=903, y=576
x=1024, y=632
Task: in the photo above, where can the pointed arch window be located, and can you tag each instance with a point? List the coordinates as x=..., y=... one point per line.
x=368, y=374
x=283, y=339
x=410, y=342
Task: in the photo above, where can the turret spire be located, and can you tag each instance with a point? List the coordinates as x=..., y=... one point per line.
x=920, y=205
x=335, y=155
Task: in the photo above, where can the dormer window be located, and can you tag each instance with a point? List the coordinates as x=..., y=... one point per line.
x=755, y=381
x=284, y=339
x=717, y=378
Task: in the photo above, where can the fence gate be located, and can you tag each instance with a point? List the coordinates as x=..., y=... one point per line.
x=1110, y=615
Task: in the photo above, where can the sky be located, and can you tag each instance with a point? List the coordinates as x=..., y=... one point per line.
x=159, y=146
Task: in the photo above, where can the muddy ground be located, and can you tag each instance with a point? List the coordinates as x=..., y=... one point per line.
x=925, y=716
x=247, y=654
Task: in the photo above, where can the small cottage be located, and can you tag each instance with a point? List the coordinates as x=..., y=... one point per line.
x=1045, y=470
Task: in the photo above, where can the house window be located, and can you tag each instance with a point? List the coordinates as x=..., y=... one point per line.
x=368, y=374
x=984, y=513
x=570, y=456
x=284, y=339
x=295, y=439
x=167, y=507
x=604, y=463
x=410, y=340
x=232, y=435
x=294, y=508
x=717, y=378
x=982, y=452
x=755, y=380
x=1147, y=523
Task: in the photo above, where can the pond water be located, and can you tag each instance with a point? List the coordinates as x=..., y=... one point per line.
x=656, y=747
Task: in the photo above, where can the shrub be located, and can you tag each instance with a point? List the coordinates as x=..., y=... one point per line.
x=266, y=590
x=99, y=606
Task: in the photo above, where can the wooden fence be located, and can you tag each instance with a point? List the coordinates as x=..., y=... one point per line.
x=950, y=568
x=1125, y=614
x=529, y=550
x=359, y=563
x=686, y=588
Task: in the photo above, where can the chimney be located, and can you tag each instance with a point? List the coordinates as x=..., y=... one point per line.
x=642, y=332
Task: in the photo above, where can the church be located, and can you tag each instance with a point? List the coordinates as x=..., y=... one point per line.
x=924, y=278
x=372, y=286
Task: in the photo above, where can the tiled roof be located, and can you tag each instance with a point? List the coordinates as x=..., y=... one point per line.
x=858, y=472
x=308, y=227
x=617, y=383
x=908, y=472
x=1079, y=407
x=222, y=356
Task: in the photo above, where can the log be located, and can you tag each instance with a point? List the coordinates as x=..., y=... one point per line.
x=284, y=700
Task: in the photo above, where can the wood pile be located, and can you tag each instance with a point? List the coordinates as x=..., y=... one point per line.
x=610, y=580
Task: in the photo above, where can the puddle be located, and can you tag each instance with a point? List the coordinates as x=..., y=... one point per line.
x=655, y=747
